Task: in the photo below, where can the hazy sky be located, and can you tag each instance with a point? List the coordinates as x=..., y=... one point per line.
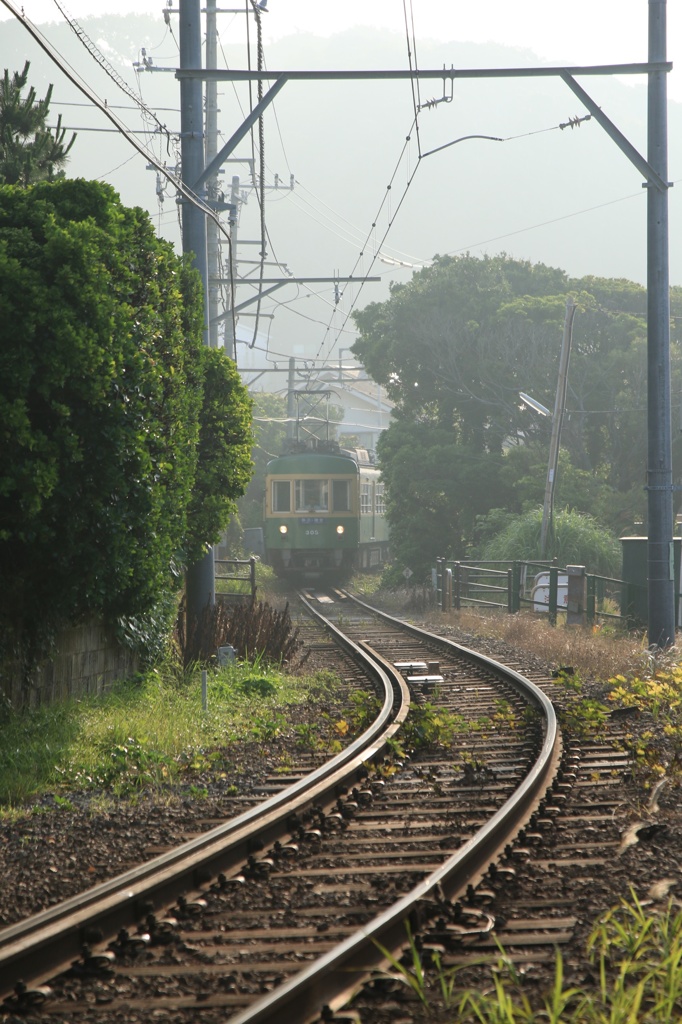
x=570, y=200
x=561, y=31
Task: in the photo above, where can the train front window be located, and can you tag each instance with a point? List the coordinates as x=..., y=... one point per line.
x=341, y=495
x=281, y=496
x=312, y=495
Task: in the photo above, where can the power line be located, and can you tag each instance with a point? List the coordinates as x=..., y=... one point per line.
x=99, y=57
x=102, y=106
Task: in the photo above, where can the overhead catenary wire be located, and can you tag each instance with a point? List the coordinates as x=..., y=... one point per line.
x=412, y=54
x=573, y=122
x=391, y=220
x=113, y=74
x=101, y=105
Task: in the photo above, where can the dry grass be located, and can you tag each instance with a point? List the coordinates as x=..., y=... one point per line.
x=595, y=653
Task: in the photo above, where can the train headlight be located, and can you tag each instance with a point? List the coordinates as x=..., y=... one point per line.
x=283, y=529
x=339, y=529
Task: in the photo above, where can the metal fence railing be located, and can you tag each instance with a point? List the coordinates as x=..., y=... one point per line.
x=546, y=588
x=235, y=578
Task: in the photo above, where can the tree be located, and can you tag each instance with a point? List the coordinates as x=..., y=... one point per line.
x=124, y=440
x=29, y=151
x=457, y=345
x=224, y=452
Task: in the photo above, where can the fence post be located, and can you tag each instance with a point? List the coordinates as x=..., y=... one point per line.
x=591, y=599
x=510, y=591
x=553, y=593
x=575, y=607
x=457, y=587
x=515, y=588
x=439, y=583
x=252, y=577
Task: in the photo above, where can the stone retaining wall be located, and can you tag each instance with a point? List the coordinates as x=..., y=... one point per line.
x=88, y=660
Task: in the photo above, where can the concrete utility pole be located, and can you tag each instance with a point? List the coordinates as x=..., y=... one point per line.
x=230, y=331
x=659, y=469
x=290, y=397
x=200, y=581
x=557, y=423
x=212, y=244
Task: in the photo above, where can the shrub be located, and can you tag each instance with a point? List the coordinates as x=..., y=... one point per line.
x=124, y=440
x=575, y=539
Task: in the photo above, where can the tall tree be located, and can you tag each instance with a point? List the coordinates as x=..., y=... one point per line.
x=456, y=345
x=29, y=150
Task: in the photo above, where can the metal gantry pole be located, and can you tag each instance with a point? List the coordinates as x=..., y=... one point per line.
x=200, y=581
x=212, y=242
x=659, y=466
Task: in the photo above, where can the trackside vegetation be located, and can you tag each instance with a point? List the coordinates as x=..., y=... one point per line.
x=149, y=735
x=576, y=539
x=634, y=952
x=124, y=440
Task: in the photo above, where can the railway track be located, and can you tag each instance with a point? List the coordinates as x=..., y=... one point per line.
x=280, y=912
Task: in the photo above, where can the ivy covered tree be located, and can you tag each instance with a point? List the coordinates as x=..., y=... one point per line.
x=29, y=150
x=124, y=440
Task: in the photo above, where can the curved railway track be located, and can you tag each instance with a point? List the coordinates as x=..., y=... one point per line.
x=279, y=912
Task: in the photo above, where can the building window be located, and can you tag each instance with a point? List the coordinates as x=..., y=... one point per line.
x=379, y=504
x=341, y=495
x=365, y=499
x=281, y=496
x=312, y=495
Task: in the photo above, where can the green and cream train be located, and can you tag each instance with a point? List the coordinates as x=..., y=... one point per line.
x=324, y=512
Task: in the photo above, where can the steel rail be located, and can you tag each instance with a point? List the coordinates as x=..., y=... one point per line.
x=46, y=943
x=332, y=979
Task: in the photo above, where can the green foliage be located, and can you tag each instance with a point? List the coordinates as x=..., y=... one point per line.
x=455, y=347
x=224, y=451
x=428, y=726
x=124, y=440
x=29, y=151
x=99, y=399
x=575, y=539
x=636, y=952
x=147, y=733
x=657, y=698
x=365, y=706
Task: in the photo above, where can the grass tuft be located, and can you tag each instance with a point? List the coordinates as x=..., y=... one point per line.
x=636, y=952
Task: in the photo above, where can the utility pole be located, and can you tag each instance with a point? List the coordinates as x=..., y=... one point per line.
x=290, y=397
x=230, y=330
x=213, y=247
x=659, y=468
x=557, y=423
x=200, y=581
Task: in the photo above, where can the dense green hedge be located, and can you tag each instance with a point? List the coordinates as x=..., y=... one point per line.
x=114, y=468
